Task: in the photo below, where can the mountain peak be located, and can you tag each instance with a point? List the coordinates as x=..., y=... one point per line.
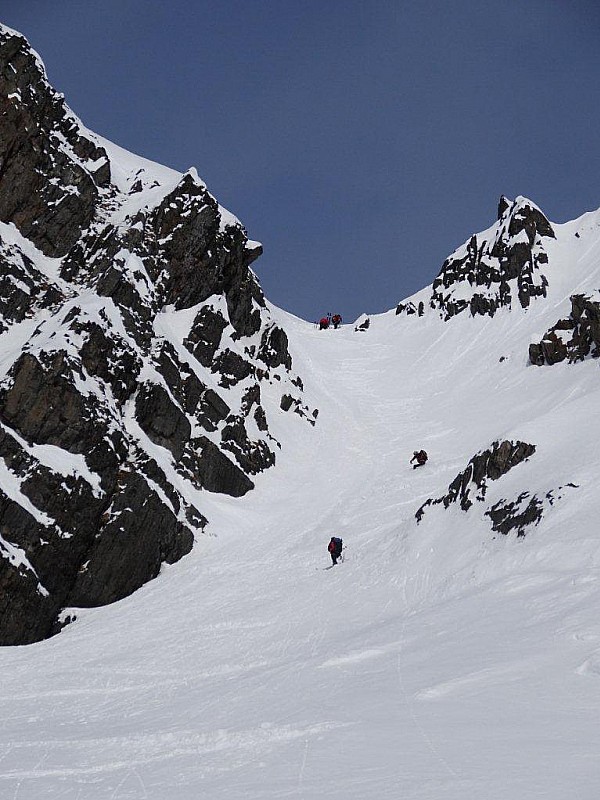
x=523, y=214
x=503, y=204
x=498, y=267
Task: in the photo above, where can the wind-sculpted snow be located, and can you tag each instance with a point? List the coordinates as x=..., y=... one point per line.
x=137, y=344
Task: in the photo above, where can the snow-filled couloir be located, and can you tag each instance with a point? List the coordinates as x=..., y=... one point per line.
x=454, y=654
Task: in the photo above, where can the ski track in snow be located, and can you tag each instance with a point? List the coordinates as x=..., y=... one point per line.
x=439, y=662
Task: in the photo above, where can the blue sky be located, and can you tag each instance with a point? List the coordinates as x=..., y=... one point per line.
x=361, y=142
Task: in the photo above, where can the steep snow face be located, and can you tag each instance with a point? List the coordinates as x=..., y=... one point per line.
x=442, y=660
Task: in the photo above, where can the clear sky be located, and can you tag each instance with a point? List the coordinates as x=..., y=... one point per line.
x=361, y=142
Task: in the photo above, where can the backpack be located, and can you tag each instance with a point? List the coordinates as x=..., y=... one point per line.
x=337, y=543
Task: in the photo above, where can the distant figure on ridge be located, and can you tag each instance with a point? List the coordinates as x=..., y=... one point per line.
x=335, y=549
x=420, y=456
x=336, y=320
x=323, y=323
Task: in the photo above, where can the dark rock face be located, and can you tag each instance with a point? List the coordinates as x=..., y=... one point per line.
x=161, y=419
x=273, y=350
x=253, y=457
x=47, y=189
x=22, y=286
x=496, y=268
x=499, y=267
x=410, y=308
x=119, y=406
x=203, y=260
x=489, y=465
x=523, y=512
x=503, y=206
x=572, y=339
x=518, y=515
x=471, y=486
x=205, y=336
x=212, y=410
x=42, y=403
x=233, y=368
x=289, y=402
x=136, y=535
x=212, y=470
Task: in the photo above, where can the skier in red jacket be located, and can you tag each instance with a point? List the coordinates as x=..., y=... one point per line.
x=323, y=323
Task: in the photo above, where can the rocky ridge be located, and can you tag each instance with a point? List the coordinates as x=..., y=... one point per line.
x=496, y=268
x=573, y=338
x=471, y=485
x=142, y=363
x=489, y=465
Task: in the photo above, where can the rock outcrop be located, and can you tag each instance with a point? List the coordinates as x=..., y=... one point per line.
x=135, y=340
x=573, y=339
x=410, y=308
x=471, y=484
x=362, y=324
x=51, y=174
x=524, y=511
x=471, y=487
x=499, y=267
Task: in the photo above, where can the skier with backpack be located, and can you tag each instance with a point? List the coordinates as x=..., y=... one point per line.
x=336, y=320
x=335, y=549
x=323, y=323
x=420, y=456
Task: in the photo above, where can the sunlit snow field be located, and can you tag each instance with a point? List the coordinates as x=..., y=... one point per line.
x=439, y=661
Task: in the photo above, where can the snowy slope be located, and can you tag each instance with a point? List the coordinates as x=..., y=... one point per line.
x=440, y=661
